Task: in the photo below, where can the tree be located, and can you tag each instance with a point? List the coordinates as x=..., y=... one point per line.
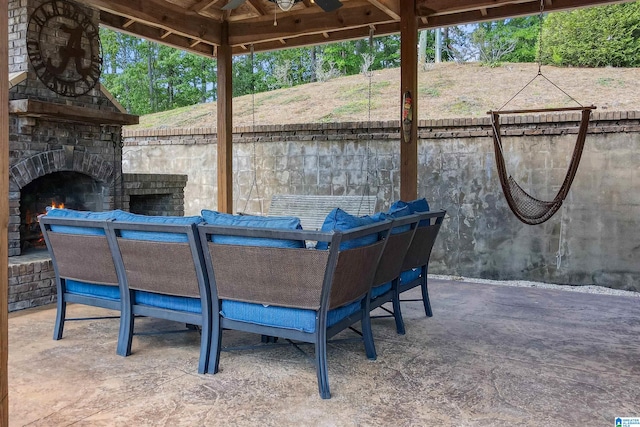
x=146, y=77
x=593, y=37
x=509, y=40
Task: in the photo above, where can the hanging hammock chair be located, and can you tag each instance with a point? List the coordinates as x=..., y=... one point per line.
x=531, y=210
x=527, y=208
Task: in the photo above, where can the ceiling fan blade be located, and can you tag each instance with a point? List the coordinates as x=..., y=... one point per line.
x=233, y=4
x=329, y=5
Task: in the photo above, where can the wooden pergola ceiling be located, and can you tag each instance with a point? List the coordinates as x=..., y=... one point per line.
x=196, y=25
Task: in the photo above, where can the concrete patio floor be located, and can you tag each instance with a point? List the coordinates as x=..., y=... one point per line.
x=491, y=355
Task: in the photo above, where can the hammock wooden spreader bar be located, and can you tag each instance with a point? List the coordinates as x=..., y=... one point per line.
x=527, y=208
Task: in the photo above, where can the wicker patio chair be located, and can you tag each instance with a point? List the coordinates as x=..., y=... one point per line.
x=299, y=294
x=161, y=270
x=83, y=266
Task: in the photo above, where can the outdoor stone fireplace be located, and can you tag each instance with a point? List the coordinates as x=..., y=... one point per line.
x=64, y=150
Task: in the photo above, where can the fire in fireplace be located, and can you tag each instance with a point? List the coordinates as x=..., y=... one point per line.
x=71, y=190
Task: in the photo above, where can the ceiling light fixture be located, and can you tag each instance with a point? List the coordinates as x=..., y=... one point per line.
x=285, y=5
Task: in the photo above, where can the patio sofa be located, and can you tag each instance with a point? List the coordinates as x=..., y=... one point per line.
x=265, y=281
x=239, y=272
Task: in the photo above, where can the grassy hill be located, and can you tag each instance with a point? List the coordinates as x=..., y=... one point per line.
x=445, y=91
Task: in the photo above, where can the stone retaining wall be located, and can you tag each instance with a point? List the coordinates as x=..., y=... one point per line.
x=593, y=239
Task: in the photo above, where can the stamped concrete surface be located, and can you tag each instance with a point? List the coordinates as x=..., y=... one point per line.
x=491, y=355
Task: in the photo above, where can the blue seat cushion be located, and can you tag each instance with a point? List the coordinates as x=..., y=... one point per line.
x=93, y=290
x=283, y=317
x=73, y=214
x=251, y=221
x=415, y=206
x=409, y=276
x=170, y=302
x=156, y=236
x=376, y=291
x=339, y=220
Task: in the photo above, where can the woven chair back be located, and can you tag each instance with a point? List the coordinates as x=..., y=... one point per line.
x=85, y=258
x=160, y=267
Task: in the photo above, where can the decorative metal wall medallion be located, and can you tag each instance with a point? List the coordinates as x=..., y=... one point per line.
x=64, y=48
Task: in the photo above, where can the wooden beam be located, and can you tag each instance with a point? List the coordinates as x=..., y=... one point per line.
x=203, y=8
x=164, y=15
x=387, y=6
x=4, y=213
x=294, y=25
x=225, y=124
x=447, y=6
x=112, y=98
x=470, y=11
x=409, y=83
x=116, y=22
x=322, y=38
x=202, y=5
x=35, y=108
x=257, y=5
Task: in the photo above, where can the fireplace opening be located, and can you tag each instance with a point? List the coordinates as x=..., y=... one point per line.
x=151, y=204
x=70, y=190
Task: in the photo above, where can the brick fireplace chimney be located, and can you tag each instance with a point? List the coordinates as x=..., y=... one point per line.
x=61, y=147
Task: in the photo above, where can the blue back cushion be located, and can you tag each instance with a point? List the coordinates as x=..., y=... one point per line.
x=156, y=236
x=73, y=214
x=398, y=212
x=415, y=206
x=277, y=222
x=339, y=220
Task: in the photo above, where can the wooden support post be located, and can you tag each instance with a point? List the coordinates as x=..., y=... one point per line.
x=409, y=84
x=4, y=212
x=225, y=125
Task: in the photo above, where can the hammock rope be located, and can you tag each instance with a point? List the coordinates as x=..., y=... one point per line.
x=528, y=209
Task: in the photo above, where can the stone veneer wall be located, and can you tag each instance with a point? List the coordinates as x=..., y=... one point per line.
x=31, y=281
x=154, y=194
x=39, y=146
x=593, y=239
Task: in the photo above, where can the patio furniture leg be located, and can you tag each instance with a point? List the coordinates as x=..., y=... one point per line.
x=267, y=339
x=205, y=347
x=215, y=344
x=125, y=334
x=321, y=364
x=397, y=312
x=367, y=334
x=60, y=316
x=425, y=293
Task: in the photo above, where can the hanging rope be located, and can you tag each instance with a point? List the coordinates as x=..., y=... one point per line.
x=254, y=179
x=366, y=164
x=528, y=209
